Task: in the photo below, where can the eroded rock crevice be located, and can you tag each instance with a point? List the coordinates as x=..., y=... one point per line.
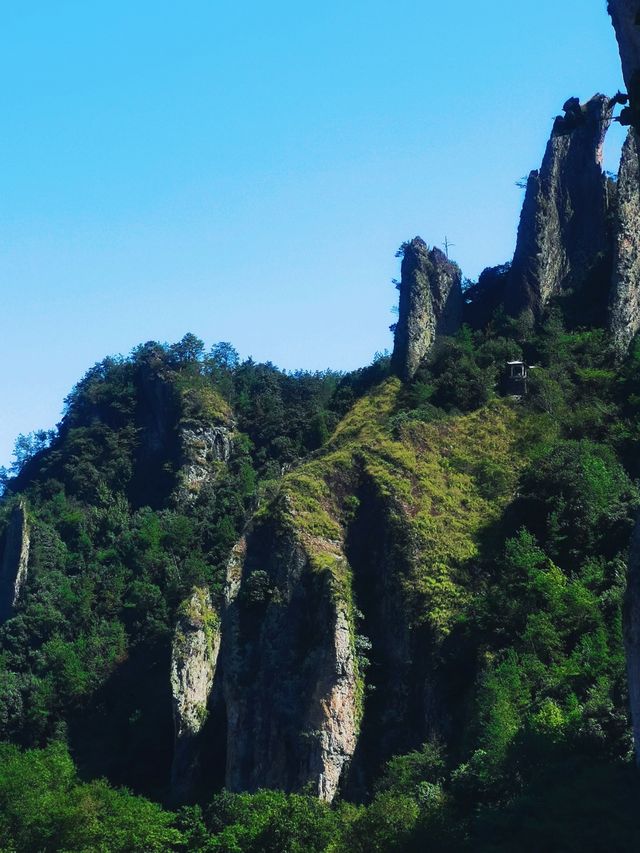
x=383, y=643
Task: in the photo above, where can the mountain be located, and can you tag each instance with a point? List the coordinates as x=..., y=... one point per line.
x=390, y=610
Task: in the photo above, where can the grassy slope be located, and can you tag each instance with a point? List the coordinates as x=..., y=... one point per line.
x=444, y=484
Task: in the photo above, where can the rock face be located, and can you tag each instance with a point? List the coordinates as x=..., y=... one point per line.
x=290, y=684
x=430, y=304
x=624, y=315
x=194, y=655
x=563, y=233
x=625, y=15
x=15, y=560
x=201, y=448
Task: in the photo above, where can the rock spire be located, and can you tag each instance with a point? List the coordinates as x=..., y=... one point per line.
x=563, y=232
x=430, y=304
x=194, y=655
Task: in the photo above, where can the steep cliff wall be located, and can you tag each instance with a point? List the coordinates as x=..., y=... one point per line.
x=15, y=560
x=194, y=655
x=290, y=682
x=625, y=15
x=624, y=315
x=563, y=236
x=430, y=304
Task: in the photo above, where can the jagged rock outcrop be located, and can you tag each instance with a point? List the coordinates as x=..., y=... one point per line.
x=625, y=15
x=563, y=236
x=194, y=655
x=430, y=304
x=202, y=449
x=15, y=560
x=624, y=317
x=290, y=676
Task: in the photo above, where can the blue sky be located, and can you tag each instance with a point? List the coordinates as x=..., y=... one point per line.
x=246, y=171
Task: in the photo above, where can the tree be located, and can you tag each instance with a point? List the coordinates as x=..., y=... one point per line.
x=224, y=355
x=189, y=350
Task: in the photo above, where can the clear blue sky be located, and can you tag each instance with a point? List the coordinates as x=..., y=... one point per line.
x=246, y=171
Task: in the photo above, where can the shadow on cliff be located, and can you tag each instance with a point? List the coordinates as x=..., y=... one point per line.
x=405, y=701
x=126, y=732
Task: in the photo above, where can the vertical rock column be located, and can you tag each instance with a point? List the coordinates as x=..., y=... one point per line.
x=624, y=315
x=290, y=675
x=15, y=560
x=430, y=304
x=194, y=656
x=563, y=231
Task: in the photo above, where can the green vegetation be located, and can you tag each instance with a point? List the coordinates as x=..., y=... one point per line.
x=505, y=524
x=44, y=806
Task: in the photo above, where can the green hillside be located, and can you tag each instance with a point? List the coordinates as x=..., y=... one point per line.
x=488, y=533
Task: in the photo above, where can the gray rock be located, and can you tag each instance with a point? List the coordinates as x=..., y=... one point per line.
x=563, y=233
x=625, y=15
x=624, y=317
x=15, y=560
x=430, y=304
x=194, y=656
x=202, y=449
x=290, y=683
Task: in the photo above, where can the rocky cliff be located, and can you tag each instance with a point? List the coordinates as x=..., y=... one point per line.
x=563, y=235
x=290, y=684
x=206, y=433
x=625, y=15
x=430, y=304
x=203, y=449
x=15, y=560
x=625, y=287
x=338, y=587
x=194, y=655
